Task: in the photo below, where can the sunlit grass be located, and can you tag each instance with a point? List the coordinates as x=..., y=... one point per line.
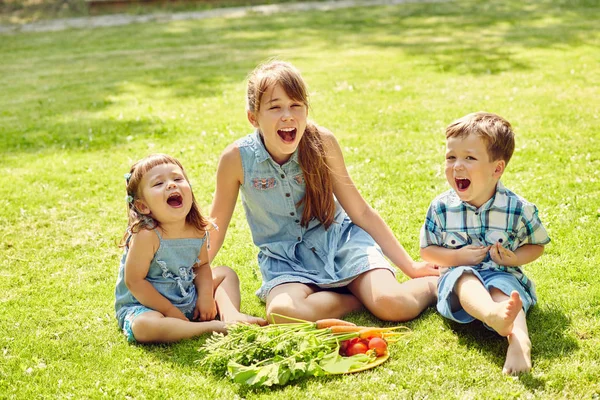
x=78, y=107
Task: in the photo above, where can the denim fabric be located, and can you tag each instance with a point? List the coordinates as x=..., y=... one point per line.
x=505, y=218
x=289, y=252
x=170, y=273
x=490, y=278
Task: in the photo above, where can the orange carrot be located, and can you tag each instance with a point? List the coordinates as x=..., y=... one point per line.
x=328, y=323
x=379, y=332
x=345, y=328
x=368, y=333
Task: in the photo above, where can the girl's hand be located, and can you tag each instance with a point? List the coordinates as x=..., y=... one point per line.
x=503, y=256
x=422, y=268
x=206, y=309
x=472, y=255
x=175, y=312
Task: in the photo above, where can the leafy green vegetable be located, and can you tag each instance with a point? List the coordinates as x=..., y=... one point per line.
x=334, y=363
x=277, y=354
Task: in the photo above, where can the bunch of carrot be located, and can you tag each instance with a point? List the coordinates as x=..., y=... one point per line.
x=363, y=339
x=279, y=353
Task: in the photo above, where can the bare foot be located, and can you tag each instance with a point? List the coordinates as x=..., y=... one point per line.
x=240, y=317
x=518, y=356
x=502, y=318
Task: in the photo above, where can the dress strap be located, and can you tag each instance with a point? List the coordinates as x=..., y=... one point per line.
x=208, y=235
x=157, y=234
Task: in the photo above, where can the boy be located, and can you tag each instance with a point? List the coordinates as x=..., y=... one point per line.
x=483, y=233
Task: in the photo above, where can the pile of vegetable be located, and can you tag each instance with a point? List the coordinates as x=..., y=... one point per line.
x=280, y=353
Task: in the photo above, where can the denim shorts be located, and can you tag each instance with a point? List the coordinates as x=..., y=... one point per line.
x=503, y=281
x=354, y=254
x=127, y=315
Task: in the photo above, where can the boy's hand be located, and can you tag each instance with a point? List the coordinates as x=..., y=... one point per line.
x=473, y=255
x=422, y=268
x=503, y=256
x=206, y=308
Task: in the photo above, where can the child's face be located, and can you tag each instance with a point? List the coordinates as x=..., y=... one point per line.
x=469, y=170
x=165, y=194
x=282, y=122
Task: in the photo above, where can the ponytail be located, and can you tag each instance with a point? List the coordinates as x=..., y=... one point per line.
x=318, y=198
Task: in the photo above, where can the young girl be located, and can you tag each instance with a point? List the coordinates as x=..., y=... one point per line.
x=315, y=232
x=165, y=284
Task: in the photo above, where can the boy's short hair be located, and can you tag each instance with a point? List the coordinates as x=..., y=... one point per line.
x=493, y=129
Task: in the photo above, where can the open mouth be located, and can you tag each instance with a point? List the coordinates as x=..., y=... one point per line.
x=462, y=184
x=287, y=134
x=175, y=200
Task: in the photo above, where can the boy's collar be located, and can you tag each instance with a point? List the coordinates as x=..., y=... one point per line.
x=488, y=204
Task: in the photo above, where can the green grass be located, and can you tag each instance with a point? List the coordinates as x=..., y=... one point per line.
x=78, y=107
x=27, y=11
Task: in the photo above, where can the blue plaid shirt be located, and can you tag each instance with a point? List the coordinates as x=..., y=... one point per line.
x=506, y=218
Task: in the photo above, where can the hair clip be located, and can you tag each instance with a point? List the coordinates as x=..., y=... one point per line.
x=127, y=176
x=129, y=199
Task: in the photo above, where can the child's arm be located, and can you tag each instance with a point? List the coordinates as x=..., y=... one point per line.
x=468, y=255
x=206, y=308
x=521, y=256
x=365, y=216
x=142, y=247
x=229, y=178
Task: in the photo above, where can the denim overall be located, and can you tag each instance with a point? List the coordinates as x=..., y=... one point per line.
x=289, y=252
x=170, y=273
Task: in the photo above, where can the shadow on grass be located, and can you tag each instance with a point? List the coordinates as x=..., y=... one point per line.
x=547, y=329
x=69, y=81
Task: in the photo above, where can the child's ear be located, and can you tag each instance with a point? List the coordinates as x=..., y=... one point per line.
x=500, y=165
x=252, y=118
x=141, y=207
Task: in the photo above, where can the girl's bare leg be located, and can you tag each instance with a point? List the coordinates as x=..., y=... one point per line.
x=227, y=297
x=153, y=327
x=518, y=355
x=391, y=300
x=298, y=300
x=478, y=302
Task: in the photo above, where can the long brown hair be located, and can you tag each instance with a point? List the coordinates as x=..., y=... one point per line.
x=138, y=221
x=318, y=198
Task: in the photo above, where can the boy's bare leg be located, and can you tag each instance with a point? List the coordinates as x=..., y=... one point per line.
x=301, y=301
x=518, y=355
x=391, y=300
x=478, y=302
x=228, y=299
x=153, y=327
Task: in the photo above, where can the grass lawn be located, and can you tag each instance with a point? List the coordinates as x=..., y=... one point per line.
x=78, y=107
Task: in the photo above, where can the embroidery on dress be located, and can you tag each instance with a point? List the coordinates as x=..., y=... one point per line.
x=264, y=183
x=299, y=179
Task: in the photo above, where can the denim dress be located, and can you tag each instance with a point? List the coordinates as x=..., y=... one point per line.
x=170, y=273
x=288, y=251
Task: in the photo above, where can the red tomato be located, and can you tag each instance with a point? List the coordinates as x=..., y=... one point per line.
x=357, y=348
x=344, y=347
x=378, y=345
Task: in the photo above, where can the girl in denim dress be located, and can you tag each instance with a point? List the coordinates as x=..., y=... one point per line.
x=166, y=290
x=315, y=232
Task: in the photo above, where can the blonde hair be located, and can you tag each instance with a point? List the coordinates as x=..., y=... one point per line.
x=493, y=129
x=318, y=199
x=138, y=221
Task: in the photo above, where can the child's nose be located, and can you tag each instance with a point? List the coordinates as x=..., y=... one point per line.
x=287, y=114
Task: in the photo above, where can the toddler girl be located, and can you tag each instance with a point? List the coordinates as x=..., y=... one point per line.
x=166, y=290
